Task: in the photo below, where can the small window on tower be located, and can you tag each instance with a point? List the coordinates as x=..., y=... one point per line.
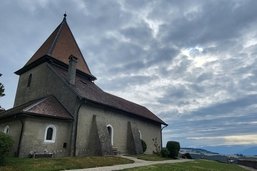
x=29, y=80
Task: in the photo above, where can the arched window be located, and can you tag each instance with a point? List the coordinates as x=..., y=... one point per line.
x=29, y=80
x=140, y=134
x=110, y=131
x=50, y=134
x=6, y=129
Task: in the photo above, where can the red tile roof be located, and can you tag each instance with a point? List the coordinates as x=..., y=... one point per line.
x=90, y=91
x=44, y=107
x=60, y=45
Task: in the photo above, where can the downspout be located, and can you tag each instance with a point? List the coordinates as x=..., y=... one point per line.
x=161, y=133
x=76, y=126
x=20, y=138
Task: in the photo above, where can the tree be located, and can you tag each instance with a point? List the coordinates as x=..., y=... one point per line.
x=1, y=89
x=5, y=146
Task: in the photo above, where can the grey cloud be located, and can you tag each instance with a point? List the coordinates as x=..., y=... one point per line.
x=227, y=107
x=214, y=21
x=139, y=34
x=124, y=82
x=173, y=95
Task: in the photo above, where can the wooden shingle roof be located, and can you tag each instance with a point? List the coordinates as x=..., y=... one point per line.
x=44, y=107
x=90, y=91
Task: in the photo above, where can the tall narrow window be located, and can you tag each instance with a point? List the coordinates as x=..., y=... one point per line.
x=140, y=134
x=50, y=134
x=6, y=129
x=110, y=132
x=29, y=80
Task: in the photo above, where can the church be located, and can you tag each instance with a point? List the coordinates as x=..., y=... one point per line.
x=59, y=109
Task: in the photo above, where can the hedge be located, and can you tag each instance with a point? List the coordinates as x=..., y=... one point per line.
x=173, y=147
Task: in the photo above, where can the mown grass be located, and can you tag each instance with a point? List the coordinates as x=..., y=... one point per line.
x=54, y=164
x=197, y=165
x=151, y=157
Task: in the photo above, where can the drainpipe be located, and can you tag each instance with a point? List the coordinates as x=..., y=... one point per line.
x=161, y=133
x=20, y=138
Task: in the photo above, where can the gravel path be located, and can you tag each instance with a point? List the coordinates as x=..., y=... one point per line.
x=137, y=163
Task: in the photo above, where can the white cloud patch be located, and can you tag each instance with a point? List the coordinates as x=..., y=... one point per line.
x=229, y=140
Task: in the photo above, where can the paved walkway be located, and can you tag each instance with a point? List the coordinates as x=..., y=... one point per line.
x=137, y=163
x=248, y=168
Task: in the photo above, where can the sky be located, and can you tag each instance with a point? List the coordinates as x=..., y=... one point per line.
x=191, y=62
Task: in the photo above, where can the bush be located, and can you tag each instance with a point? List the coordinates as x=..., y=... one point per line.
x=5, y=146
x=173, y=147
x=165, y=152
x=143, y=145
x=186, y=156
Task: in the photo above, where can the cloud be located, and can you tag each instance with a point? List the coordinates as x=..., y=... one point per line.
x=230, y=140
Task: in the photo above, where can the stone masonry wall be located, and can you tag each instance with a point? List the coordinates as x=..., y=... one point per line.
x=34, y=134
x=14, y=132
x=119, y=122
x=45, y=82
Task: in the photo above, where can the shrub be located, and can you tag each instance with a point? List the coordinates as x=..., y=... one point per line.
x=143, y=145
x=165, y=152
x=186, y=156
x=5, y=146
x=173, y=148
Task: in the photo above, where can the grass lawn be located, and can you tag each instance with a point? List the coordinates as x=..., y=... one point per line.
x=197, y=165
x=26, y=164
x=151, y=157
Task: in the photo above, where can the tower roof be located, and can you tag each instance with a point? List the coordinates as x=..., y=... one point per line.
x=60, y=45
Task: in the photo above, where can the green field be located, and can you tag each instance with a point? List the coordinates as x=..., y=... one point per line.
x=198, y=165
x=54, y=164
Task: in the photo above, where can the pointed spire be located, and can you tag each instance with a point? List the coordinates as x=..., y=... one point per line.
x=64, y=16
x=60, y=45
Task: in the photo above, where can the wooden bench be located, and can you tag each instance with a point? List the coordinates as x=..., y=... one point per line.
x=41, y=155
x=115, y=151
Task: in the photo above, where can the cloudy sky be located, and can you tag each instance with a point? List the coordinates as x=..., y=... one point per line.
x=192, y=62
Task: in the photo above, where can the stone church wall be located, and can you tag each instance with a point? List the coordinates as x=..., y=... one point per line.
x=14, y=132
x=44, y=82
x=119, y=122
x=34, y=135
x=37, y=86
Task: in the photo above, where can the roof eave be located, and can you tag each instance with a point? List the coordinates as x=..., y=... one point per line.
x=29, y=114
x=48, y=58
x=47, y=116
x=134, y=114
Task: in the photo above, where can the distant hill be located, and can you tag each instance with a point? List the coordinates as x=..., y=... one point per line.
x=250, y=151
x=235, y=149
x=197, y=150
